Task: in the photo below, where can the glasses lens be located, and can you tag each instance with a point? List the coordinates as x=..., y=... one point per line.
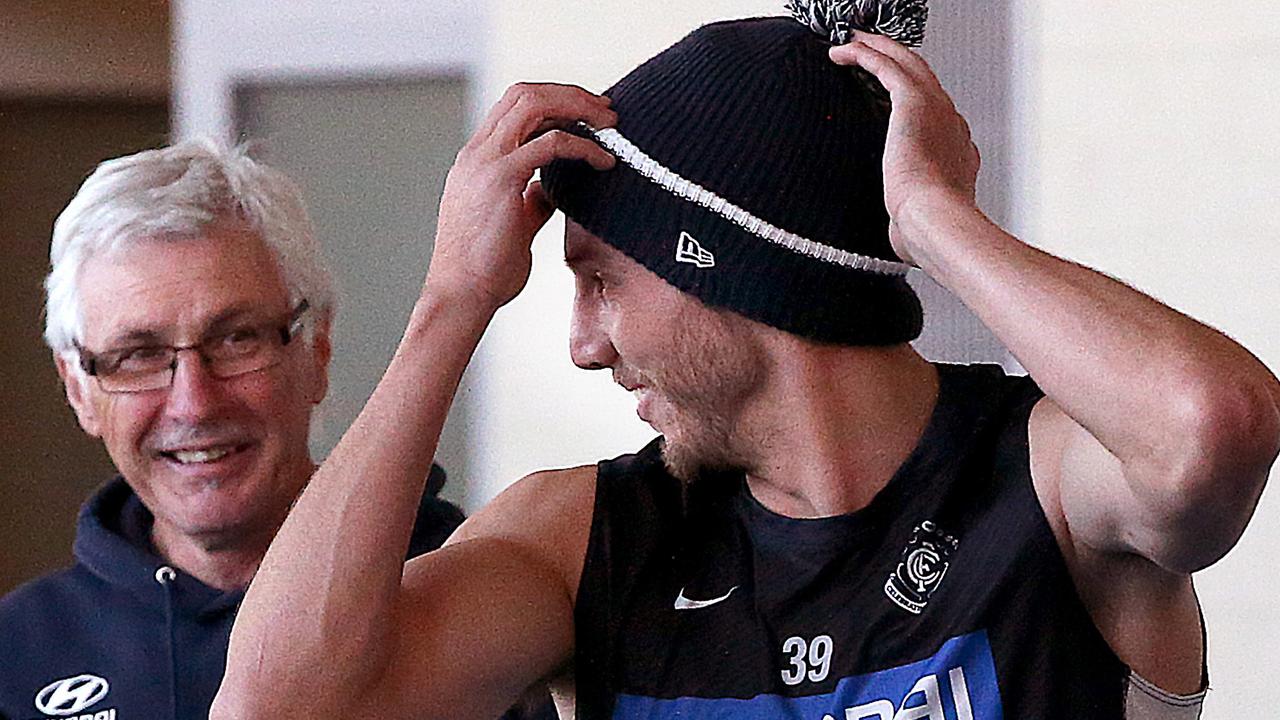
x=135, y=369
x=239, y=366
x=242, y=351
x=123, y=381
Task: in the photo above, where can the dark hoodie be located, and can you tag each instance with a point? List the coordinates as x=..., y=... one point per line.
x=121, y=635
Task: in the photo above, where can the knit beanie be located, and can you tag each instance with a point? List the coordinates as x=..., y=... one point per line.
x=750, y=176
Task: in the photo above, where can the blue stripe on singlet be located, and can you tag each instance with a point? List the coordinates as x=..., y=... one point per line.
x=956, y=683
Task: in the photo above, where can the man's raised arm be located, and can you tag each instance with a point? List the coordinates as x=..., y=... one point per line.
x=1159, y=432
x=332, y=625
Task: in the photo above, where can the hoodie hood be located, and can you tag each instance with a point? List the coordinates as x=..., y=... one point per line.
x=113, y=542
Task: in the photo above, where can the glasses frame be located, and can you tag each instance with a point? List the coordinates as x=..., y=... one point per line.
x=90, y=362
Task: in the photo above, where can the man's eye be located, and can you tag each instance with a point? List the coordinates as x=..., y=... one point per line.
x=143, y=358
x=237, y=343
x=242, y=339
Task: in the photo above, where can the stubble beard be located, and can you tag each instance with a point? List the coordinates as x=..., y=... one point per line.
x=707, y=390
x=703, y=449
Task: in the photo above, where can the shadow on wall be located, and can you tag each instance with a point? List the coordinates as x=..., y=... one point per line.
x=974, y=56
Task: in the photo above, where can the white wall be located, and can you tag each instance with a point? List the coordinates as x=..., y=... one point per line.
x=1159, y=163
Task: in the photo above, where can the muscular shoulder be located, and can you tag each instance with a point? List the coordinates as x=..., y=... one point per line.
x=547, y=515
x=1082, y=488
x=1149, y=616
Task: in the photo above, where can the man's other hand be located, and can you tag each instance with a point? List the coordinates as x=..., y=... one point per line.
x=929, y=154
x=491, y=210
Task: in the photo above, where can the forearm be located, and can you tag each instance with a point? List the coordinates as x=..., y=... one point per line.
x=1190, y=416
x=1142, y=378
x=317, y=621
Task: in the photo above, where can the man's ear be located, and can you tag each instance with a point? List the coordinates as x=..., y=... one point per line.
x=79, y=394
x=321, y=353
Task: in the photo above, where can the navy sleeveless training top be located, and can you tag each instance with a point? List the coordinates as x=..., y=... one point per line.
x=946, y=598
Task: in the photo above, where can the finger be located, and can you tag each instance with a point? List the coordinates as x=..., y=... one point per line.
x=558, y=145
x=509, y=100
x=905, y=56
x=542, y=107
x=550, y=124
x=491, y=118
x=888, y=71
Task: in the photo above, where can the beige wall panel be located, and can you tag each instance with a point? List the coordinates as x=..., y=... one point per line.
x=47, y=465
x=85, y=48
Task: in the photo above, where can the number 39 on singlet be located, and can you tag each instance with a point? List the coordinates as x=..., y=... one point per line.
x=807, y=659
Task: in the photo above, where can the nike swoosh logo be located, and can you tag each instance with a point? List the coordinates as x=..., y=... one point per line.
x=684, y=603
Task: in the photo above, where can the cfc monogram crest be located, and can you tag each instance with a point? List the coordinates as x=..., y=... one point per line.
x=921, y=568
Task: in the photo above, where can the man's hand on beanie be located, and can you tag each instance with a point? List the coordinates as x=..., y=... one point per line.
x=929, y=154
x=490, y=210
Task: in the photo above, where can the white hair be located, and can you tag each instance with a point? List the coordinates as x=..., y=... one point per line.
x=174, y=193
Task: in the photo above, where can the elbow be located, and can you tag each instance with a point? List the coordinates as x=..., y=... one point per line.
x=230, y=704
x=227, y=706
x=1230, y=439
x=1209, y=485
x=239, y=698
x=1221, y=436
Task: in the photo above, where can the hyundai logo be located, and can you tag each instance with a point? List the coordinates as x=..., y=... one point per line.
x=70, y=696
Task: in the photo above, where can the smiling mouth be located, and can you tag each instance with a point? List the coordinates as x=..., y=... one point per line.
x=202, y=455
x=627, y=384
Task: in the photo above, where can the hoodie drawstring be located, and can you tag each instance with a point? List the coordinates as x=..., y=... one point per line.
x=165, y=575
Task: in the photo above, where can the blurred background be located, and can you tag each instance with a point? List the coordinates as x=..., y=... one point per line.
x=1135, y=137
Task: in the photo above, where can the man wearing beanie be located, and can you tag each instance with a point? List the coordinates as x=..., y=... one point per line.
x=830, y=526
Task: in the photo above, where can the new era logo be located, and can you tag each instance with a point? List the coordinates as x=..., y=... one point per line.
x=689, y=251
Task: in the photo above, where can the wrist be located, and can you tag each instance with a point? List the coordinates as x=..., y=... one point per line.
x=455, y=304
x=933, y=205
x=930, y=216
x=459, y=292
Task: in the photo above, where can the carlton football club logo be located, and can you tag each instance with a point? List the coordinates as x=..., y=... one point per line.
x=69, y=696
x=921, y=568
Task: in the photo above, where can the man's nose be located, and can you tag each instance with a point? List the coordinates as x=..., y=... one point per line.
x=195, y=390
x=589, y=343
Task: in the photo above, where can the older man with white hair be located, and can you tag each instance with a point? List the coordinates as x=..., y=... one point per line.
x=189, y=313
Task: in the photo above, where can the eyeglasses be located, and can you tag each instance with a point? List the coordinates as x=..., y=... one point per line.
x=151, y=367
